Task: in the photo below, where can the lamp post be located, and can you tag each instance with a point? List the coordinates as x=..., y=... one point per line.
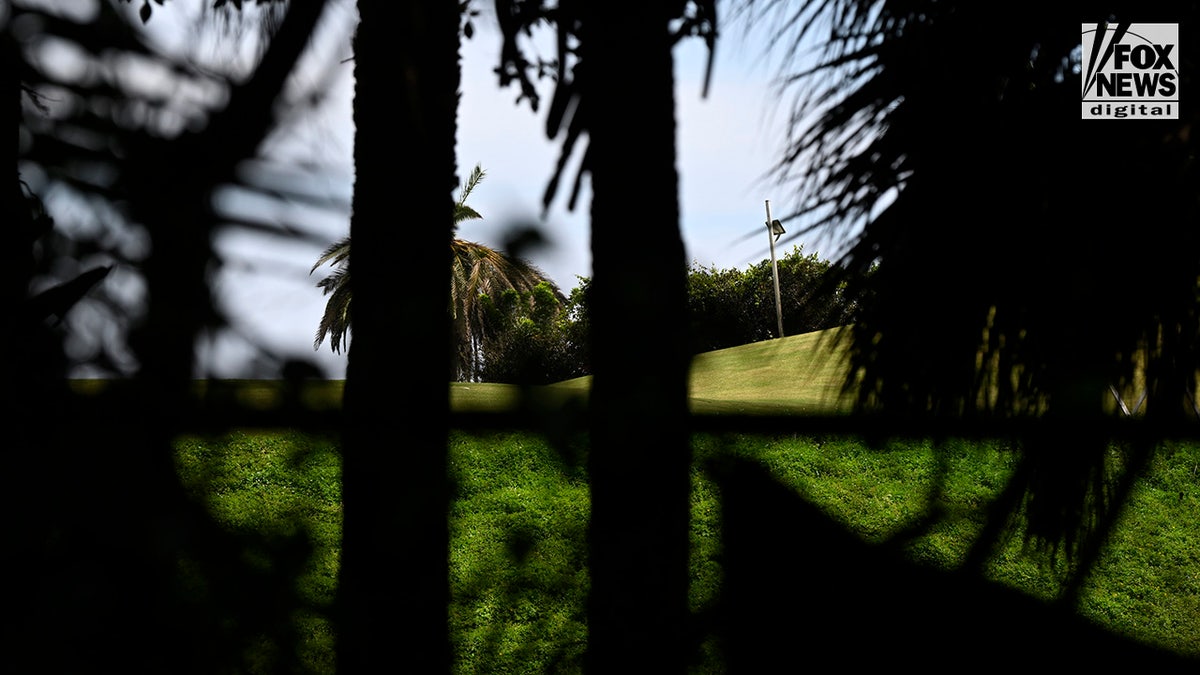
x=774, y=229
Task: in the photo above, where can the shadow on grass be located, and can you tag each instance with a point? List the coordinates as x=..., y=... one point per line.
x=798, y=588
x=518, y=557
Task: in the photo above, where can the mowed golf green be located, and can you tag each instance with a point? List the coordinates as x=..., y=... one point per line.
x=802, y=374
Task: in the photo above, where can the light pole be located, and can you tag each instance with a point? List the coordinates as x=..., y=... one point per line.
x=774, y=229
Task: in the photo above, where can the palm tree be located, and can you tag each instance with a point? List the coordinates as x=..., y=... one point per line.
x=476, y=269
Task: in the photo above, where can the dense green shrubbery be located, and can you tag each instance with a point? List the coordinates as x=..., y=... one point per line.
x=537, y=338
x=534, y=337
x=730, y=307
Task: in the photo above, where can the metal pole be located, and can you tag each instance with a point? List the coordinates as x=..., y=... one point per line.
x=774, y=272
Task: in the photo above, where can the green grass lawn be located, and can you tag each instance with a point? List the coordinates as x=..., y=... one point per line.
x=520, y=510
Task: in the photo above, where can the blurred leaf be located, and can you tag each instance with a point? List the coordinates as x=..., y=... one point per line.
x=58, y=300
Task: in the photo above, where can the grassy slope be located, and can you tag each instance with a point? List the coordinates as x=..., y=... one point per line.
x=796, y=374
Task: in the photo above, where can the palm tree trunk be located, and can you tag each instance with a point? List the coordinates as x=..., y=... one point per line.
x=394, y=580
x=638, y=465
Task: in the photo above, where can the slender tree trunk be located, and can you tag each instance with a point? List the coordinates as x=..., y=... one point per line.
x=640, y=456
x=394, y=583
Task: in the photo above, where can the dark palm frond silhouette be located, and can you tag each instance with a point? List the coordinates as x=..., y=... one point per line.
x=335, y=322
x=476, y=269
x=1004, y=287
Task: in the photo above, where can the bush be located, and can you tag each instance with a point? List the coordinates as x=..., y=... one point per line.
x=730, y=307
x=535, y=337
x=540, y=338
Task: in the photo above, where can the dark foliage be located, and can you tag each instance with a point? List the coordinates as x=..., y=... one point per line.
x=116, y=567
x=533, y=337
x=730, y=307
x=1005, y=287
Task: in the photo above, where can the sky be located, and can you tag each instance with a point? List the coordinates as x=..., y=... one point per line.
x=727, y=144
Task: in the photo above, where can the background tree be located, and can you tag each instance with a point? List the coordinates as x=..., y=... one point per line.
x=730, y=307
x=479, y=271
x=475, y=270
x=535, y=338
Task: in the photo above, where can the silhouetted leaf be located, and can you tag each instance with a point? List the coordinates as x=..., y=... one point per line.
x=58, y=300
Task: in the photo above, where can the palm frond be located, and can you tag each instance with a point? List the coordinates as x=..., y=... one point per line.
x=476, y=270
x=336, y=254
x=938, y=172
x=473, y=180
x=461, y=210
x=335, y=322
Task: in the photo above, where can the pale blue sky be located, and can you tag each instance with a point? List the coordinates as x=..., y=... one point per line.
x=727, y=145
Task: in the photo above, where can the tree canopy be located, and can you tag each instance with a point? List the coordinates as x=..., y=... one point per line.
x=476, y=270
